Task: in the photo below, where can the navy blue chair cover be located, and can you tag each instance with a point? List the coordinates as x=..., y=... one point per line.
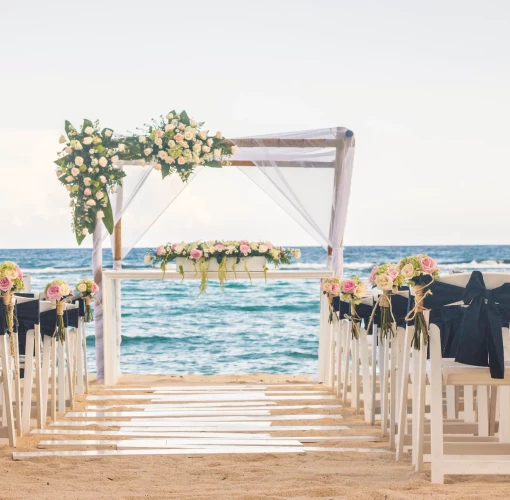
x=27, y=315
x=3, y=329
x=472, y=334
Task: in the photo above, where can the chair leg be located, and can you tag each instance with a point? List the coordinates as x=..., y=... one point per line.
x=7, y=391
x=41, y=419
x=383, y=378
x=420, y=412
x=469, y=409
x=436, y=408
x=61, y=374
x=393, y=392
x=365, y=366
x=339, y=339
x=403, y=393
x=17, y=388
x=53, y=401
x=85, y=366
x=504, y=411
x=482, y=403
x=69, y=372
x=79, y=361
x=28, y=381
x=374, y=377
x=347, y=351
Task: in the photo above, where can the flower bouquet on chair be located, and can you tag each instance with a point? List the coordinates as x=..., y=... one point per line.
x=87, y=288
x=11, y=280
x=351, y=290
x=56, y=291
x=386, y=278
x=331, y=288
x=419, y=271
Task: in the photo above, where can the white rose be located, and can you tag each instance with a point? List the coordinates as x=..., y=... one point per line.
x=142, y=138
x=188, y=136
x=115, y=159
x=90, y=169
x=122, y=147
x=147, y=151
x=75, y=171
x=103, y=161
x=69, y=178
x=193, y=123
x=206, y=149
x=171, y=143
x=181, y=160
x=114, y=189
x=168, y=127
x=407, y=271
x=203, y=135
x=360, y=290
x=158, y=141
x=157, y=166
x=210, y=142
x=108, y=132
x=263, y=249
x=86, y=181
x=182, y=126
x=82, y=287
x=170, y=116
x=90, y=202
x=143, y=163
x=65, y=289
x=99, y=195
x=92, y=151
x=89, y=130
x=94, y=162
x=179, y=248
x=78, y=161
x=217, y=153
x=103, y=179
x=147, y=259
x=234, y=149
x=87, y=141
x=69, y=150
x=84, y=231
x=162, y=154
x=196, y=148
x=384, y=282
x=100, y=214
x=218, y=135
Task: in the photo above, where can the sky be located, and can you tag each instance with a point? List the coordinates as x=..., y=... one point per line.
x=423, y=85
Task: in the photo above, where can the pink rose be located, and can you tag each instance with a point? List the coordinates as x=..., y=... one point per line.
x=20, y=272
x=160, y=133
x=245, y=249
x=54, y=293
x=428, y=265
x=196, y=253
x=94, y=288
x=392, y=272
x=348, y=286
x=243, y=242
x=87, y=192
x=178, y=137
x=269, y=245
x=334, y=289
x=220, y=247
x=160, y=250
x=5, y=284
x=371, y=278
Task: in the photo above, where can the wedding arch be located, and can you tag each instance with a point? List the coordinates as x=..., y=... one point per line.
x=295, y=169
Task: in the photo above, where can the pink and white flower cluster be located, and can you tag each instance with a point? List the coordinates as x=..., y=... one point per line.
x=386, y=277
x=57, y=290
x=87, y=287
x=417, y=268
x=218, y=250
x=11, y=278
x=352, y=289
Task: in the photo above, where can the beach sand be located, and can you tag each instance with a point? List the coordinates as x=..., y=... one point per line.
x=301, y=476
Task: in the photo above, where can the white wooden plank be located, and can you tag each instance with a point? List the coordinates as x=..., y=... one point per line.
x=153, y=422
x=211, y=409
x=168, y=433
x=169, y=442
x=233, y=387
x=165, y=413
x=273, y=428
x=235, y=418
x=267, y=393
x=206, y=397
x=228, y=450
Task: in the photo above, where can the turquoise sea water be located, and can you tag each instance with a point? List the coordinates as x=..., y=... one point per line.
x=248, y=328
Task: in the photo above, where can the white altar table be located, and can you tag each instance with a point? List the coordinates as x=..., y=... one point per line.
x=111, y=277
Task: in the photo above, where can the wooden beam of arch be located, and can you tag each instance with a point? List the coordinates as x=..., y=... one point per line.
x=286, y=143
x=278, y=163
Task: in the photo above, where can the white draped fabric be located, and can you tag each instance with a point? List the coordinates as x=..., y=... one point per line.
x=306, y=173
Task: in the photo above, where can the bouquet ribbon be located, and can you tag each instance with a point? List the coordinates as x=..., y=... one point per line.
x=355, y=320
x=416, y=315
x=387, y=320
x=9, y=323
x=60, y=329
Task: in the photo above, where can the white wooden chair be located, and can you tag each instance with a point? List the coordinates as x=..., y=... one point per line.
x=465, y=456
x=8, y=428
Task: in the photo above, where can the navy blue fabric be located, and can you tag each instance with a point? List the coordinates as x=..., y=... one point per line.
x=3, y=329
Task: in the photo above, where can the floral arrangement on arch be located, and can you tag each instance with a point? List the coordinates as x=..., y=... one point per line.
x=176, y=144
x=388, y=279
x=87, y=169
x=11, y=281
x=419, y=271
x=87, y=165
x=228, y=255
x=56, y=291
x=87, y=288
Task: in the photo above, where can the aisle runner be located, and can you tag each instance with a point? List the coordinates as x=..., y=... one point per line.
x=189, y=420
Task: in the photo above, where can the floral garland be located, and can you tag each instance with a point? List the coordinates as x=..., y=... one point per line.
x=56, y=291
x=177, y=144
x=86, y=167
x=388, y=279
x=419, y=272
x=87, y=164
x=224, y=252
x=11, y=281
x=87, y=288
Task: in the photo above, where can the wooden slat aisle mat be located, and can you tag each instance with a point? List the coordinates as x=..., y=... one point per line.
x=196, y=420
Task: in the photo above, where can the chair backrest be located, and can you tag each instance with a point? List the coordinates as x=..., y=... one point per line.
x=46, y=306
x=492, y=280
x=27, y=280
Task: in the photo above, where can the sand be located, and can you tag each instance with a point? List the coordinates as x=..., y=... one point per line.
x=325, y=475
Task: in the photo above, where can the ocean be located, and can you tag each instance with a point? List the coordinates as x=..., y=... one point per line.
x=247, y=328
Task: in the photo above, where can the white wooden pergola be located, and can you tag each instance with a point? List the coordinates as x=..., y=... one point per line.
x=331, y=148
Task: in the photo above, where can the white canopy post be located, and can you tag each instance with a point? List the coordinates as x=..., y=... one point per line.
x=97, y=271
